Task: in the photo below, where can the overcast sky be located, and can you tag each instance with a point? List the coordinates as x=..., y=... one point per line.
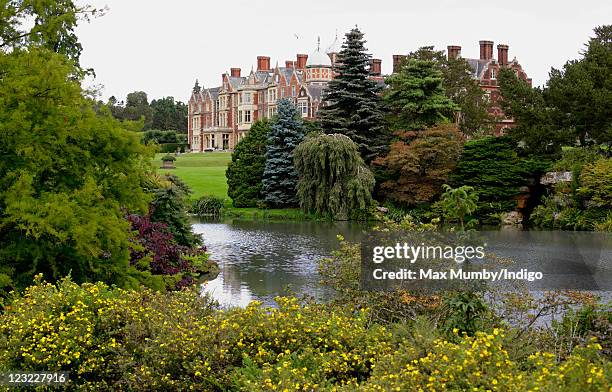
x=161, y=47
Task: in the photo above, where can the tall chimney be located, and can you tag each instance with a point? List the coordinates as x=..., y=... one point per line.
x=263, y=63
x=486, y=50
x=502, y=54
x=289, y=64
x=301, y=61
x=235, y=72
x=397, y=59
x=376, y=67
x=453, y=51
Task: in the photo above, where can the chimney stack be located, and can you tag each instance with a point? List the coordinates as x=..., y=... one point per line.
x=301, y=61
x=376, y=67
x=289, y=64
x=486, y=50
x=502, y=54
x=453, y=52
x=235, y=72
x=263, y=63
x=397, y=59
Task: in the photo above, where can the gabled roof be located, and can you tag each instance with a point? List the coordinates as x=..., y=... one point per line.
x=478, y=67
x=315, y=91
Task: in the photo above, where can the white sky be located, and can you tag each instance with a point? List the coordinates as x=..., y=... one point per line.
x=161, y=47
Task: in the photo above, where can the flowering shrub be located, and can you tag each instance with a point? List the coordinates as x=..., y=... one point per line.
x=114, y=339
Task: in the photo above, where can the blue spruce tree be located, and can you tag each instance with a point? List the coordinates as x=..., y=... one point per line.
x=280, y=177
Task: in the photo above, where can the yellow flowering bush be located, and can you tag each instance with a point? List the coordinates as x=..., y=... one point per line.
x=114, y=339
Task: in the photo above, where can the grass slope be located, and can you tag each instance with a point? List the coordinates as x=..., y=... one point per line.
x=205, y=175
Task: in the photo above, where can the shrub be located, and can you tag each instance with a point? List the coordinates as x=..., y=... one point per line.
x=114, y=339
x=168, y=158
x=596, y=183
x=207, y=205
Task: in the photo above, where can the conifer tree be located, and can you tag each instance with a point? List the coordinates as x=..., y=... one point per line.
x=351, y=104
x=280, y=177
x=245, y=171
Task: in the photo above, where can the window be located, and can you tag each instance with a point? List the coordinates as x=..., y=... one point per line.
x=282, y=93
x=293, y=91
x=247, y=98
x=247, y=116
x=240, y=116
x=212, y=141
x=493, y=73
x=303, y=108
x=226, y=141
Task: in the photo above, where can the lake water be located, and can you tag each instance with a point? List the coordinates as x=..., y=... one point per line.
x=260, y=260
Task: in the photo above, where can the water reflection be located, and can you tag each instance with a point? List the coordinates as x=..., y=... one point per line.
x=260, y=260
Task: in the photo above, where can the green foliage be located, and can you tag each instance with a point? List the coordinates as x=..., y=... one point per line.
x=279, y=183
x=168, y=158
x=493, y=169
x=47, y=24
x=581, y=92
x=169, y=115
x=333, y=179
x=170, y=205
x=596, y=184
x=418, y=165
x=535, y=129
x=351, y=104
x=466, y=313
x=459, y=202
x=574, y=159
x=207, y=205
x=416, y=97
x=245, y=172
x=67, y=175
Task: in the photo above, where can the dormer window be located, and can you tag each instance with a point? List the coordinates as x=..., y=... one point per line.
x=493, y=76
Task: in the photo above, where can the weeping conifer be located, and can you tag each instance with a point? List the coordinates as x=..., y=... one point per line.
x=333, y=178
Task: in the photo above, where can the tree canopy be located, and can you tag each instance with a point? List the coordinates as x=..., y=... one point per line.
x=351, y=103
x=279, y=177
x=245, y=172
x=67, y=175
x=333, y=179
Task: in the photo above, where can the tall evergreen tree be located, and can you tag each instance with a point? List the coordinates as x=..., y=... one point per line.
x=280, y=177
x=351, y=104
x=416, y=96
x=245, y=171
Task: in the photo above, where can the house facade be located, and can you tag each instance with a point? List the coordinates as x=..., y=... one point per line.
x=220, y=116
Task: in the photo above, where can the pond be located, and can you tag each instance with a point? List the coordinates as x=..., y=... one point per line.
x=260, y=260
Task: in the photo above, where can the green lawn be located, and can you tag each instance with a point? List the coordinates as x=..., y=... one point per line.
x=203, y=172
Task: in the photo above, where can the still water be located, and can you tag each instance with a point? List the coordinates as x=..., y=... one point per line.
x=260, y=260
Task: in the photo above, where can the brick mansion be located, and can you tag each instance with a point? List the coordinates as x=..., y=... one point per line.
x=220, y=116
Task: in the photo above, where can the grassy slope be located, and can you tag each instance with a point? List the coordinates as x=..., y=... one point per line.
x=205, y=174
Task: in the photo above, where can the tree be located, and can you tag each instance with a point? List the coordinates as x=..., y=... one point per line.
x=416, y=97
x=493, y=168
x=169, y=206
x=581, y=92
x=534, y=128
x=46, y=24
x=462, y=88
x=67, y=176
x=351, y=103
x=419, y=163
x=245, y=172
x=166, y=114
x=279, y=177
x=333, y=179
x=457, y=203
x=137, y=108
